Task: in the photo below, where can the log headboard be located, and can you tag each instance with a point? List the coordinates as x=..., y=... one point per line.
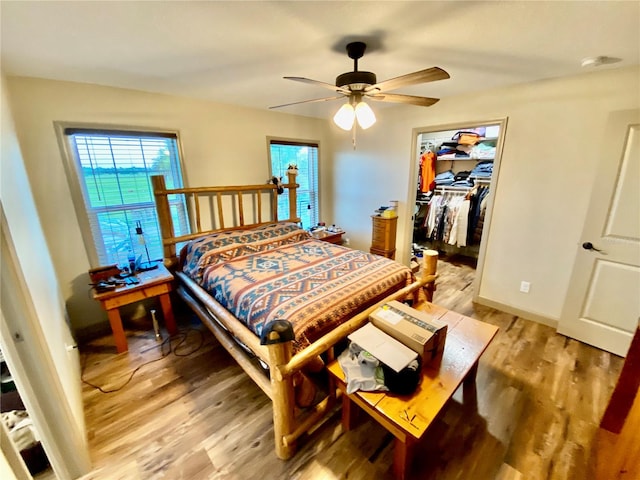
x=241, y=218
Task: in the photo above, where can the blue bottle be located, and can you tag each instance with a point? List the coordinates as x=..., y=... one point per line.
x=132, y=262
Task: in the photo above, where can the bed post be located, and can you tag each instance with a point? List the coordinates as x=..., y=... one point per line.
x=293, y=195
x=277, y=336
x=164, y=217
x=430, y=267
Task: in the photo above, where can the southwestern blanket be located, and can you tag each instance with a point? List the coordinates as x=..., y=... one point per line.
x=279, y=271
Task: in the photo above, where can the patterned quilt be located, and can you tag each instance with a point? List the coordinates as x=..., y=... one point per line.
x=280, y=272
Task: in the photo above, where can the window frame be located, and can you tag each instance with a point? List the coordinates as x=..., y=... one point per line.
x=301, y=143
x=73, y=173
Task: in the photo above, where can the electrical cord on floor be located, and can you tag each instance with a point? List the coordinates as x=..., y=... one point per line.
x=180, y=338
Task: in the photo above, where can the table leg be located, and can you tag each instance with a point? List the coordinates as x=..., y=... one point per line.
x=469, y=392
x=349, y=412
x=118, y=332
x=402, y=456
x=167, y=313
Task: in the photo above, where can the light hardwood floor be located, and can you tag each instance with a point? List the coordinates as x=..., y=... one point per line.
x=540, y=399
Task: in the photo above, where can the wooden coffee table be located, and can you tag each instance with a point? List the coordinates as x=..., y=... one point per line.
x=153, y=283
x=408, y=417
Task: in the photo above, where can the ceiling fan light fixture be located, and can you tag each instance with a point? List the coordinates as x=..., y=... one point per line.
x=365, y=115
x=345, y=117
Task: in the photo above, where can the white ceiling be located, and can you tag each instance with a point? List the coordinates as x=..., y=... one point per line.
x=237, y=52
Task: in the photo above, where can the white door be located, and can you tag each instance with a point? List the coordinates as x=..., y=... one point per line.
x=602, y=307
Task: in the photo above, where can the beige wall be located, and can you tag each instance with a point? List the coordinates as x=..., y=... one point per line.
x=35, y=261
x=222, y=145
x=553, y=142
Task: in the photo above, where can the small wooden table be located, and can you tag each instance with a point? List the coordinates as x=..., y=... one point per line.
x=153, y=283
x=331, y=237
x=408, y=417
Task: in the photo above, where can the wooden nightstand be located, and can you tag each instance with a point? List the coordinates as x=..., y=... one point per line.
x=331, y=237
x=153, y=283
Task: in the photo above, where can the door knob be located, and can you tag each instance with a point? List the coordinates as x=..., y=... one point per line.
x=589, y=246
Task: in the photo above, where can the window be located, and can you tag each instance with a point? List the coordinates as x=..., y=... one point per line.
x=113, y=170
x=305, y=156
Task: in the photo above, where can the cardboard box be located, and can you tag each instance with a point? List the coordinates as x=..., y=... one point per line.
x=417, y=330
x=383, y=346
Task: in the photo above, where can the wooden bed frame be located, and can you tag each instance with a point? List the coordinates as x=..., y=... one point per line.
x=275, y=349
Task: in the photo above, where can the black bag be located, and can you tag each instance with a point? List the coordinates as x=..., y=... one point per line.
x=405, y=381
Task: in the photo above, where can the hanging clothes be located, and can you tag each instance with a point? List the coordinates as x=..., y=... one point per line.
x=477, y=233
x=427, y=170
x=453, y=207
x=476, y=197
x=459, y=231
x=442, y=222
x=454, y=217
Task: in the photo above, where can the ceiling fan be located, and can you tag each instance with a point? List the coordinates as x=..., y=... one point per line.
x=358, y=85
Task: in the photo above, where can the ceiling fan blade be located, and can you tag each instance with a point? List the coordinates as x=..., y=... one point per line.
x=428, y=75
x=398, y=98
x=309, y=101
x=319, y=84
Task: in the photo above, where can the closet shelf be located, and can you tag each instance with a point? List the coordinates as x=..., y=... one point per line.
x=465, y=158
x=440, y=141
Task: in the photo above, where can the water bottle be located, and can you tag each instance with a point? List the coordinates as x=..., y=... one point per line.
x=132, y=262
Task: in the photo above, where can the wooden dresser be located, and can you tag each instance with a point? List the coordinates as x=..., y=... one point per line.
x=383, y=238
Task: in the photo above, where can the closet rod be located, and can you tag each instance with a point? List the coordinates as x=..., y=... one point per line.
x=463, y=188
x=481, y=180
x=452, y=189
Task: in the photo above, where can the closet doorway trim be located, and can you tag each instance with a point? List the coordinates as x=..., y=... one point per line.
x=413, y=179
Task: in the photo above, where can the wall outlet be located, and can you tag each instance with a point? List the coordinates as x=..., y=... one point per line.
x=346, y=241
x=525, y=286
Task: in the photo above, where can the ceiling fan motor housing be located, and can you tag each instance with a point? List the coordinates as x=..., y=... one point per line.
x=356, y=81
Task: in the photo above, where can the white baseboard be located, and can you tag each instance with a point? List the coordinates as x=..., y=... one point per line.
x=516, y=311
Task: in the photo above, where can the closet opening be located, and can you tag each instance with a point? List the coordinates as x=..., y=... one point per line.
x=456, y=175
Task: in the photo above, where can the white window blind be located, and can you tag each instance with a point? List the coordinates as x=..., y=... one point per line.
x=305, y=156
x=114, y=172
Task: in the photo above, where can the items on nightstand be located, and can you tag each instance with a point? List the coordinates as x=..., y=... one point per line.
x=100, y=274
x=155, y=283
x=322, y=226
x=388, y=211
x=332, y=234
